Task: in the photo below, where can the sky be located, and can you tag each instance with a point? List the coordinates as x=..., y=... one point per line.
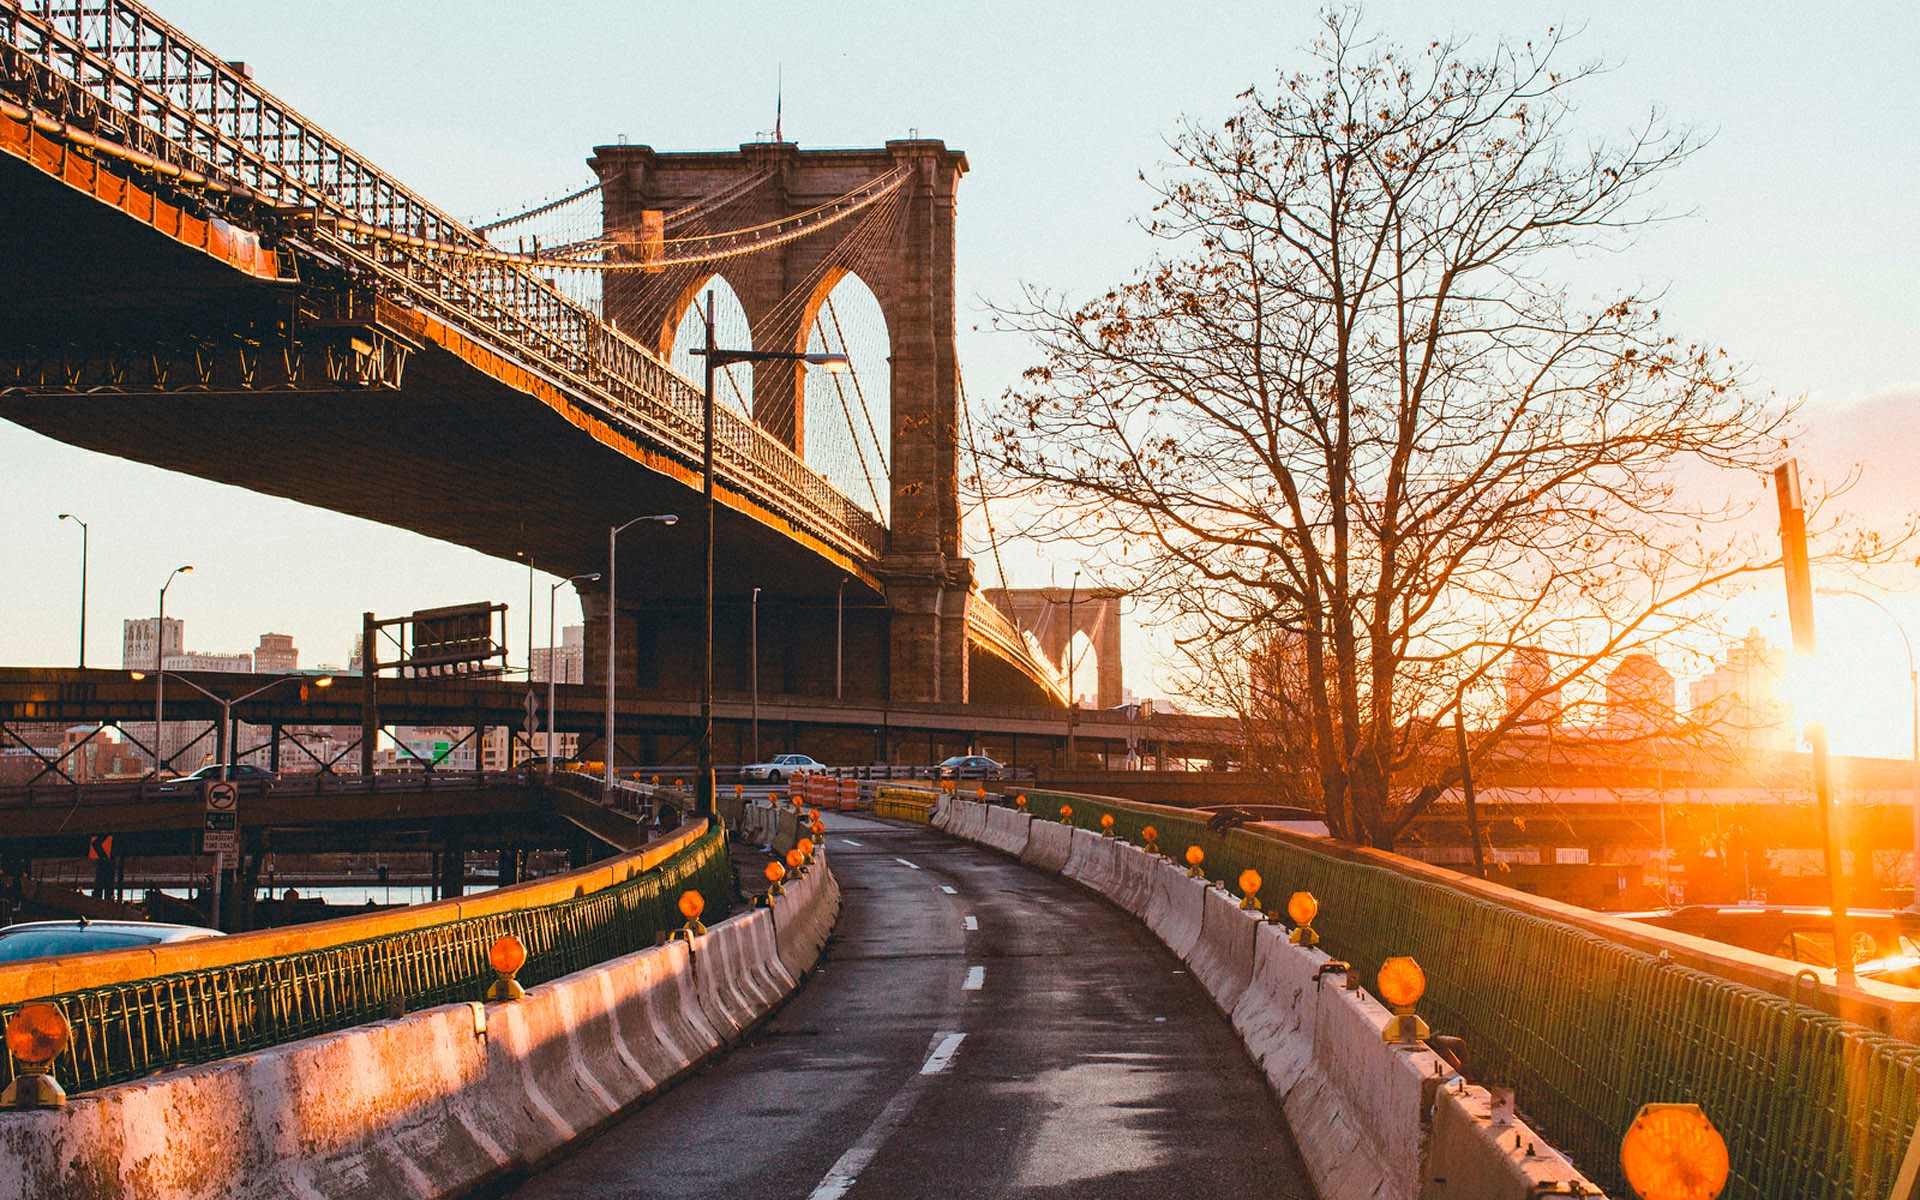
x=1794, y=244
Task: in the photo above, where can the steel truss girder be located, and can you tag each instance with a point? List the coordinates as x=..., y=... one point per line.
x=239, y=361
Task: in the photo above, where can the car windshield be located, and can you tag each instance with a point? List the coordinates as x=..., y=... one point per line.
x=43, y=943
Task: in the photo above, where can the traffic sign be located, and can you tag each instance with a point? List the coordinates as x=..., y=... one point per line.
x=223, y=842
x=100, y=845
x=223, y=822
x=533, y=715
x=223, y=795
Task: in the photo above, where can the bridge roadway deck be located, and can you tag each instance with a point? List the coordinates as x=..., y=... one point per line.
x=1092, y=1064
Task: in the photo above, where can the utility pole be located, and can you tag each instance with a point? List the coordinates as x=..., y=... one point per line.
x=1793, y=559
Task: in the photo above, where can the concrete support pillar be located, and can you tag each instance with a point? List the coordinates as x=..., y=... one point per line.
x=453, y=864
x=508, y=871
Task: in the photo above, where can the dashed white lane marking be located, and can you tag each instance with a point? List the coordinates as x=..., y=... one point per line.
x=973, y=923
x=903, y=862
x=846, y=1171
x=976, y=979
x=850, y=841
x=942, y=1054
x=949, y=891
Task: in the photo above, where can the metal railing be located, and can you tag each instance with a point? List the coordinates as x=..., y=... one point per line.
x=1587, y=1030
x=129, y=1030
x=134, y=82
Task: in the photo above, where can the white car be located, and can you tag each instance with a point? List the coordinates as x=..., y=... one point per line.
x=780, y=767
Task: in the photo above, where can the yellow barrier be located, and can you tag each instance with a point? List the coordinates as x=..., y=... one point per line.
x=902, y=808
x=48, y=976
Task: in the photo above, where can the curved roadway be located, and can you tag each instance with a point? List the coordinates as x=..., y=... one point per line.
x=976, y=1029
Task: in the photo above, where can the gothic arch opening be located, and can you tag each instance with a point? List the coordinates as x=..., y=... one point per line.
x=1082, y=667
x=847, y=415
x=733, y=386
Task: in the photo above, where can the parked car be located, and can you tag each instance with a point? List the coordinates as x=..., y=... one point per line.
x=1886, y=944
x=969, y=766
x=779, y=767
x=46, y=939
x=253, y=780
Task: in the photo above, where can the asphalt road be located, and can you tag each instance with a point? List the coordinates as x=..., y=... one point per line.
x=976, y=1029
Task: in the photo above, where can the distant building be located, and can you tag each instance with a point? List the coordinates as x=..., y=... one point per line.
x=1639, y=696
x=276, y=655
x=1529, y=690
x=1742, y=695
x=136, y=642
x=203, y=660
x=569, y=658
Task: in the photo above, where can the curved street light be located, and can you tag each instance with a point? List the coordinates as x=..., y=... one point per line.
x=160, y=671
x=1913, y=682
x=552, y=593
x=83, y=585
x=613, y=624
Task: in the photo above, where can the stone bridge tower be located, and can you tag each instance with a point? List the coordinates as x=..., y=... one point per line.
x=1054, y=615
x=910, y=271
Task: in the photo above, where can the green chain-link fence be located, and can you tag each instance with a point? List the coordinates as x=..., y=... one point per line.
x=128, y=1030
x=1586, y=1030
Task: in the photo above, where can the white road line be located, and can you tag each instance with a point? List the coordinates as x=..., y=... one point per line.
x=976, y=979
x=850, y=841
x=973, y=922
x=903, y=862
x=942, y=1054
x=949, y=891
x=846, y=1171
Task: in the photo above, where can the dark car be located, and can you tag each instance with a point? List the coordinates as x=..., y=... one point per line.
x=252, y=780
x=47, y=939
x=969, y=766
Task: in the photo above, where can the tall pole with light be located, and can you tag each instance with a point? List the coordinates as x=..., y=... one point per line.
x=160, y=670
x=1073, y=699
x=83, y=585
x=1793, y=559
x=717, y=358
x=755, y=651
x=552, y=662
x=613, y=623
x=1913, y=683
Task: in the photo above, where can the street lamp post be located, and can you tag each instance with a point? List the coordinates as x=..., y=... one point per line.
x=755, y=651
x=1073, y=701
x=552, y=592
x=716, y=358
x=1913, y=683
x=160, y=670
x=613, y=622
x=83, y=585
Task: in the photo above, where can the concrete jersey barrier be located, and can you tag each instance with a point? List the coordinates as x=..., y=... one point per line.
x=1222, y=956
x=432, y=1104
x=1373, y=1120
x=1006, y=830
x=1048, y=844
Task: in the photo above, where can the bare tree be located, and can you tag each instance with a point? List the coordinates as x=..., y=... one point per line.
x=1350, y=433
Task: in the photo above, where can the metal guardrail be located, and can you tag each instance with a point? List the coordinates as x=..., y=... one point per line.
x=129, y=1030
x=131, y=81
x=1586, y=1030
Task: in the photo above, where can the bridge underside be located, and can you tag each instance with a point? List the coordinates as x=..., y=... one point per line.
x=452, y=453
x=117, y=338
